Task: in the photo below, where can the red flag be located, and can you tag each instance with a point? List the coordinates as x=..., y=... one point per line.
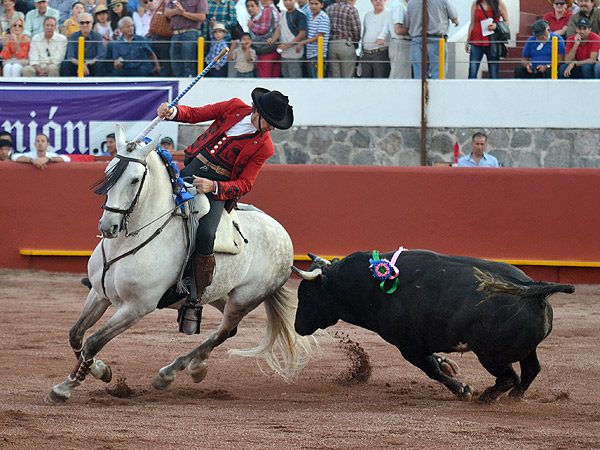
x=456, y=152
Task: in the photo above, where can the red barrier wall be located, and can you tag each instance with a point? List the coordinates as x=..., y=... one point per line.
x=504, y=214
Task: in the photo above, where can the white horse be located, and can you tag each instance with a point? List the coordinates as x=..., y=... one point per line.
x=133, y=270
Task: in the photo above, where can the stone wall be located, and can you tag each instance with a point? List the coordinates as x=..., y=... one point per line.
x=382, y=146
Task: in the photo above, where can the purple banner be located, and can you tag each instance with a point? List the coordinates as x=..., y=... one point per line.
x=77, y=116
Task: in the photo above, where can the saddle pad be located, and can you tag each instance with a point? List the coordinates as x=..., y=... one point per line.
x=229, y=239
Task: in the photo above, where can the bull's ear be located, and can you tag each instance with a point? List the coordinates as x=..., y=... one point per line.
x=309, y=276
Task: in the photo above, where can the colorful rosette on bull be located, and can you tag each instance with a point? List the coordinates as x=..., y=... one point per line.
x=384, y=269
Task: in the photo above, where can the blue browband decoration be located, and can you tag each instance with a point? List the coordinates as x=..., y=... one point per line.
x=182, y=194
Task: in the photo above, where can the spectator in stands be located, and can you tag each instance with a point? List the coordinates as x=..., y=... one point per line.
x=304, y=7
x=262, y=26
x=439, y=13
x=131, y=54
x=161, y=44
x=63, y=7
x=15, y=49
x=46, y=52
x=217, y=45
x=94, y=51
x=71, y=24
x=587, y=9
x=9, y=13
x=537, y=53
x=186, y=22
x=558, y=19
x=375, y=59
x=318, y=25
x=399, y=49
x=291, y=30
x=581, y=52
x=6, y=149
x=6, y=135
x=102, y=24
x=478, y=157
x=34, y=20
x=244, y=57
x=111, y=145
x=219, y=11
x=343, y=40
x=167, y=143
x=478, y=44
x=40, y=157
x=117, y=9
x=142, y=21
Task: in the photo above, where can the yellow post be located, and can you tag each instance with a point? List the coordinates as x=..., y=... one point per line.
x=442, y=59
x=320, y=58
x=200, y=55
x=80, y=54
x=554, y=67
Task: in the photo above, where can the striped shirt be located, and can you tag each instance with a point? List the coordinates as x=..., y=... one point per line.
x=317, y=24
x=345, y=22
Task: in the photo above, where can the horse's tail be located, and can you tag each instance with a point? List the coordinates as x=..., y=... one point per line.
x=284, y=350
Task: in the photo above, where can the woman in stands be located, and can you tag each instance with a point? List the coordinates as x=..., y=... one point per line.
x=9, y=13
x=118, y=10
x=15, y=48
x=559, y=18
x=478, y=44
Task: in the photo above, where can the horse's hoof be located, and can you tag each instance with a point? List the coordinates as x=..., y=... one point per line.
x=448, y=366
x=55, y=399
x=101, y=371
x=467, y=393
x=198, y=373
x=161, y=382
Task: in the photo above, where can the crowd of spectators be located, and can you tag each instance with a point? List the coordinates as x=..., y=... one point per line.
x=41, y=38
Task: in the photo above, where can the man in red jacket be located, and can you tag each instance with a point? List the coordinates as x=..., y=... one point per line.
x=224, y=162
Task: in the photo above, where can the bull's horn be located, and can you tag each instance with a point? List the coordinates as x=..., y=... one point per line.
x=309, y=276
x=316, y=258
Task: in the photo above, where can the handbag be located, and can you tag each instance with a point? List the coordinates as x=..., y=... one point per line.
x=236, y=31
x=159, y=24
x=502, y=31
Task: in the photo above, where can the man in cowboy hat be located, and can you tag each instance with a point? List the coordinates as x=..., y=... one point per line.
x=224, y=162
x=587, y=9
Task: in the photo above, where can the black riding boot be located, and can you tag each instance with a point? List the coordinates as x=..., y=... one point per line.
x=190, y=315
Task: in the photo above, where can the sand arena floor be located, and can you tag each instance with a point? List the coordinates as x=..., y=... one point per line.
x=238, y=407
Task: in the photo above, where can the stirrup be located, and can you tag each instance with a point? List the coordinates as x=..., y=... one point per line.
x=189, y=318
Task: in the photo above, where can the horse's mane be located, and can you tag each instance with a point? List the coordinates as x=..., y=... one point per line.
x=103, y=185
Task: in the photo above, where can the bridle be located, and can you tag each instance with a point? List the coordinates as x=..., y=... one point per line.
x=127, y=212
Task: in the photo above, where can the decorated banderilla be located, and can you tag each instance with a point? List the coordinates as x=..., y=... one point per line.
x=157, y=119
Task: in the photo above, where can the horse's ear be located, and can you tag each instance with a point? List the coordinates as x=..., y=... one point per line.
x=120, y=136
x=151, y=146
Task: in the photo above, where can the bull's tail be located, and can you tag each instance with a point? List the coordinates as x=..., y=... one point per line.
x=533, y=290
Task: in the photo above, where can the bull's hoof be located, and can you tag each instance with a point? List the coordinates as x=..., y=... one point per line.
x=448, y=366
x=161, y=381
x=55, y=399
x=516, y=394
x=197, y=372
x=466, y=395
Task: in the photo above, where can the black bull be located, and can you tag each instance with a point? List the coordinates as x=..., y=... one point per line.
x=443, y=304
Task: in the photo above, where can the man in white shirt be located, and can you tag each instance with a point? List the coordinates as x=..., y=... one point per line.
x=375, y=60
x=40, y=157
x=46, y=51
x=34, y=20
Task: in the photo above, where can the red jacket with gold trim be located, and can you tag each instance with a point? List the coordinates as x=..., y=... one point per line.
x=254, y=151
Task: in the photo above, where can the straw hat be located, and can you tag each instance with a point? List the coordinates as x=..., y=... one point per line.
x=116, y=2
x=99, y=9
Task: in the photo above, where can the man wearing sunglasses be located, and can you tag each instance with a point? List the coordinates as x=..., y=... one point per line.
x=587, y=9
x=94, y=51
x=34, y=20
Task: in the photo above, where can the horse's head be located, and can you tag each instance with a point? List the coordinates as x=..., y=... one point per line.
x=123, y=183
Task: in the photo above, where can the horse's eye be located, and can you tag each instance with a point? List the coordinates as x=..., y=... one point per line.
x=135, y=181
